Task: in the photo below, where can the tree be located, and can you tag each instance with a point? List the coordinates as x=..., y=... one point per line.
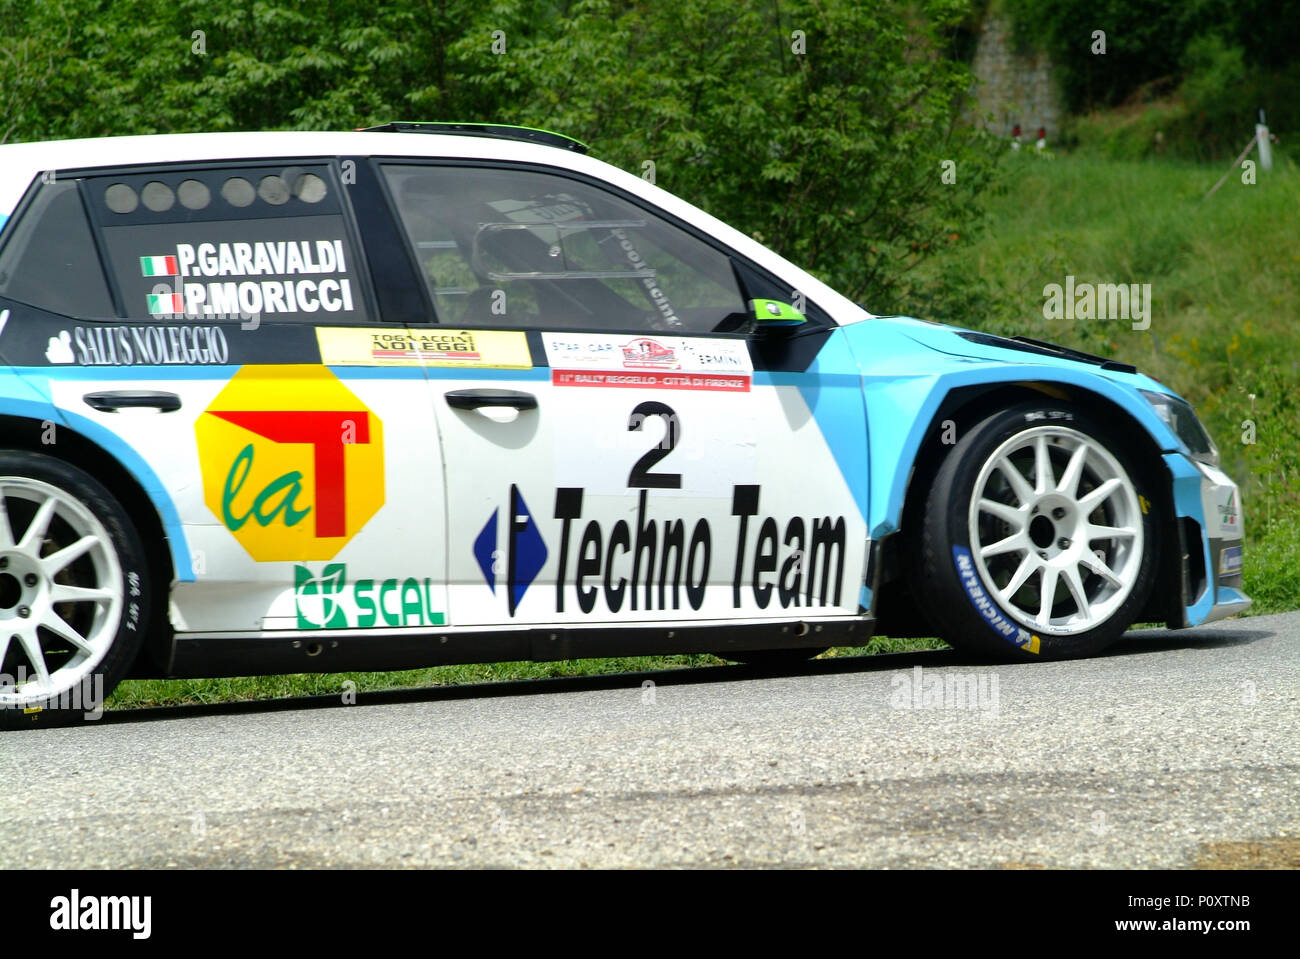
x=826, y=128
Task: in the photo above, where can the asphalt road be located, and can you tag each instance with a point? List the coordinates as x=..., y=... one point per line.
x=1136, y=759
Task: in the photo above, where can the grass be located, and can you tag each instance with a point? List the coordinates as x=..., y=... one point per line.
x=1225, y=333
x=139, y=693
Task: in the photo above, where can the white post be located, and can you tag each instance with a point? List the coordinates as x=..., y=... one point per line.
x=1261, y=138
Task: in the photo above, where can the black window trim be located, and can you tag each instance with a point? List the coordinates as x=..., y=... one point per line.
x=23, y=208
x=379, y=160
x=20, y=210
x=101, y=248
x=330, y=161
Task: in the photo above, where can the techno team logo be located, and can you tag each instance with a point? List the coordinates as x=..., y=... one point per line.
x=292, y=461
x=522, y=558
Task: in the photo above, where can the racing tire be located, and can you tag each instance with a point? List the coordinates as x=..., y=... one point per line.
x=1039, y=539
x=75, y=592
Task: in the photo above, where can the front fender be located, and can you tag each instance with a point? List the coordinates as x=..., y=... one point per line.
x=906, y=381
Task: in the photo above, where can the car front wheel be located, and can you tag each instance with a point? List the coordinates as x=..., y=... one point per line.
x=1039, y=539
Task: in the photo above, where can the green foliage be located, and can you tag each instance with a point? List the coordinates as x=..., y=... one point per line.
x=1272, y=571
x=1209, y=64
x=1145, y=40
x=830, y=155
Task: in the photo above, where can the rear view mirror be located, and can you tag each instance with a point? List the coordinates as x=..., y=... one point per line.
x=769, y=314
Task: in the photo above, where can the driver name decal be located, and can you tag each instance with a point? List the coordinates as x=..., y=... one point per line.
x=301, y=267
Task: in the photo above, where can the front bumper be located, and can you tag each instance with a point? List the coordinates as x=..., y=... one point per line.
x=1207, y=507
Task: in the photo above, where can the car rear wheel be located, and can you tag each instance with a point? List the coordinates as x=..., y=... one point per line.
x=1038, y=540
x=75, y=592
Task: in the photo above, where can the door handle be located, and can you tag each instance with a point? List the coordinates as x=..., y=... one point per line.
x=476, y=399
x=111, y=401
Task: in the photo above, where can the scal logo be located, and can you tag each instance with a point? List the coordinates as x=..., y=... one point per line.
x=292, y=461
x=330, y=601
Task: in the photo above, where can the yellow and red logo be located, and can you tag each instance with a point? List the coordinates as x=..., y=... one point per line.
x=292, y=461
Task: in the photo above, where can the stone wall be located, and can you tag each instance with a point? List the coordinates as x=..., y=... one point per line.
x=1014, y=89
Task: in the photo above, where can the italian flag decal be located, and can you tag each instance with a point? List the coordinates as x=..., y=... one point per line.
x=165, y=304
x=158, y=266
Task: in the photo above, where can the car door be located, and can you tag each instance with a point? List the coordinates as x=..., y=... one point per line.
x=619, y=449
x=294, y=494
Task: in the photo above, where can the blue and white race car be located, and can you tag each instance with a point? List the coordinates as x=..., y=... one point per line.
x=441, y=393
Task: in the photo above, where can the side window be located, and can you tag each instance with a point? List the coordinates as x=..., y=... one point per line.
x=50, y=260
x=521, y=248
x=230, y=243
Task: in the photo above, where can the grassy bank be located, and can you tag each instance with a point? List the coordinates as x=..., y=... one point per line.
x=1225, y=318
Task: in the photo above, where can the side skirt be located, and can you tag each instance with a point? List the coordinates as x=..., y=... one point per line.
x=195, y=657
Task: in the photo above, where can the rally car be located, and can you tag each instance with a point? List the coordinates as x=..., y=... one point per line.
x=446, y=393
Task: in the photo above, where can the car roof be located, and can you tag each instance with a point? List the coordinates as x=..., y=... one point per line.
x=21, y=163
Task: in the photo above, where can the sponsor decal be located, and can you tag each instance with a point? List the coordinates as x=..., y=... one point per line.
x=1230, y=560
x=660, y=362
x=292, y=461
x=652, y=289
x=663, y=381
x=525, y=552
x=327, y=600
x=1228, y=511
x=342, y=346
x=796, y=563
x=645, y=353
x=139, y=346
x=985, y=606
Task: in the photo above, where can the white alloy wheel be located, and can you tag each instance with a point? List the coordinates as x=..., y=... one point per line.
x=1056, y=530
x=61, y=591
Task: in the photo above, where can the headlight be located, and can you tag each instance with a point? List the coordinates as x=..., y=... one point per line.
x=1181, y=418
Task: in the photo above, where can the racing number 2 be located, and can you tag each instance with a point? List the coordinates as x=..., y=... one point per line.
x=641, y=477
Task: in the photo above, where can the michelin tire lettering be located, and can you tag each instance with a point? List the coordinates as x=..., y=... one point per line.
x=984, y=605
